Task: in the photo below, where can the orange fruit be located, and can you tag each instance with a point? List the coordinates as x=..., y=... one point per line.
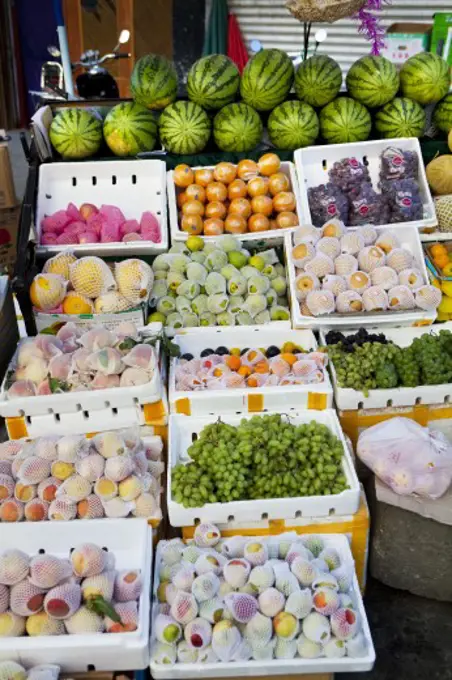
x=247, y=169
x=258, y=222
x=75, y=303
x=289, y=358
x=240, y=206
x=441, y=261
x=277, y=183
x=447, y=270
x=268, y=164
x=252, y=381
x=438, y=249
x=261, y=367
x=245, y=371
x=283, y=202
x=237, y=189
x=193, y=208
x=235, y=224
x=225, y=172
x=181, y=198
x=213, y=227
x=195, y=192
x=273, y=224
x=216, y=191
x=262, y=204
x=216, y=209
x=192, y=224
x=203, y=176
x=233, y=362
x=183, y=175
x=258, y=186
x=285, y=220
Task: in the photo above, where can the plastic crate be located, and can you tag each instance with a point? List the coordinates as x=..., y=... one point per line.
x=409, y=239
x=271, y=236
x=133, y=186
x=314, y=162
x=182, y=432
x=297, y=666
x=291, y=397
x=347, y=398
x=131, y=543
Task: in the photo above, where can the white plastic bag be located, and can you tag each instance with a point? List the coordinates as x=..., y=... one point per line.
x=409, y=458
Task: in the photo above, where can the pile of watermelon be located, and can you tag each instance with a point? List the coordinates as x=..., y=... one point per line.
x=227, y=107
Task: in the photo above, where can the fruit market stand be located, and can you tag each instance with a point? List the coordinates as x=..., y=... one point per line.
x=226, y=297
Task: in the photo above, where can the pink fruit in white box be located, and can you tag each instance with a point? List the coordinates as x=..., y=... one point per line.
x=26, y=599
x=87, y=210
x=344, y=623
x=88, y=560
x=242, y=606
x=198, y=633
x=14, y=567
x=63, y=601
x=47, y=571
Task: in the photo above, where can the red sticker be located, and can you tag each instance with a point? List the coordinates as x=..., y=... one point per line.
x=331, y=210
x=364, y=209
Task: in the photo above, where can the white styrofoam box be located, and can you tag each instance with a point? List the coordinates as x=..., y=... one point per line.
x=428, y=237
x=281, y=326
x=409, y=239
x=297, y=666
x=134, y=186
x=347, y=398
x=111, y=321
x=131, y=543
x=314, y=162
x=285, y=398
x=271, y=236
x=181, y=432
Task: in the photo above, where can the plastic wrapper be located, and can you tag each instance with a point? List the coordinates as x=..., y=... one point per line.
x=404, y=200
x=366, y=206
x=327, y=201
x=409, y=458
x=398, y=164
x=348, y=173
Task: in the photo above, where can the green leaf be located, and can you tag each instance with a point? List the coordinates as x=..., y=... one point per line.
x=59, y=385
x=127, y=344
x=99, y=605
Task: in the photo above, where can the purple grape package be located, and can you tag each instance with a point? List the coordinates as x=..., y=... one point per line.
x=366, y=206
x=327, y=201
x=398, y=164
x=404, y=198
x=348, y=173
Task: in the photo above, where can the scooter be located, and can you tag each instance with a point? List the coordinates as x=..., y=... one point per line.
x=94, y=83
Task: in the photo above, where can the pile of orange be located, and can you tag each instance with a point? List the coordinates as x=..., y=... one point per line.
x=235, y=199
x=442, y=258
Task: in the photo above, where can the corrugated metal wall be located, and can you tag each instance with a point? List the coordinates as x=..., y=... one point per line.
x=271, y=23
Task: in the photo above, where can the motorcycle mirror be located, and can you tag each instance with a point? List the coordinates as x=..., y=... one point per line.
x=124, y=36
x=53, y=51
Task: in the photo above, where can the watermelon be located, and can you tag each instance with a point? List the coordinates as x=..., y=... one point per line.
x=442, y=115
x=318, y=80
x=213, y=81
x=345, y=120
x=237, y=127
x=154, y=82
x=293, y=125
x=184, y=128
x=267, y=79
x=76, y=133
x=402, y=117
x=130, y=128
x=425, y=78
x=373, y=81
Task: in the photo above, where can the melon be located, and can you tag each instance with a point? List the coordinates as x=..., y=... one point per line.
x=237, y=127
x=373, y=81
x=425, y=78
x=154, y=82
x=267, y=79
x=130, y=128
x=442, y=115
x=345, y=120
x=184, y=128
x=76, y=133
x=318, y=80
x=293, y=125
x=213, y=81
x=401, y=117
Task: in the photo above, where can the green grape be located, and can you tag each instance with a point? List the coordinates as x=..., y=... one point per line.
x=199, y=304
x=258, y=285
x=237, y=285
x=166, y=305
x=217, y=303
x=386, y=376
x=207, y=319
x=255, y=304
x=189, y=289
x=216, y=260
x=174, y=320
x=215, y=284
x=196, y=272
x=183, y=304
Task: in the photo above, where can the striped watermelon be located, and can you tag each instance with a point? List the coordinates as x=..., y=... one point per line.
x=425, y=78
x=184, y=128
x=130, y=128
x=345, y=120
x=373, y=81
x=213, y=81
x=402, y=117
x=293, y=125
x=442, y=115
x=267, y=79
x=237, y=127
x=154, y=82
x=318, y=80
x=76, y=133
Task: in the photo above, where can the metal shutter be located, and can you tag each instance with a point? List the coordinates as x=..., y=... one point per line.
x=271, y=23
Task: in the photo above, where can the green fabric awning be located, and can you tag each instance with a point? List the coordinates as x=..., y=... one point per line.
x=216, y=35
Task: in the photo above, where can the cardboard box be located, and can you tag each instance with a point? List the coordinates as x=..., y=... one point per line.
x=404, y=40
x=9, y=225
x=7, y=192
x=442, y=36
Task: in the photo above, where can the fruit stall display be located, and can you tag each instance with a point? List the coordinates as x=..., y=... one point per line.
x=247, y=606
x=438, y=258
x=218, y=283
x=114, y=474
x=228, y=109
